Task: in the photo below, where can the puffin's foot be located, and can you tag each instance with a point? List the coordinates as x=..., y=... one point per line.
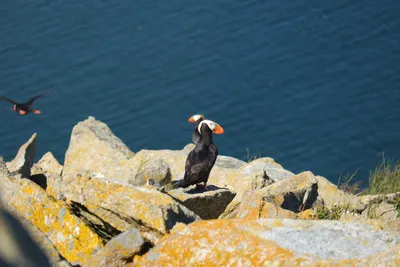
x=37, y=111
x=202, y=186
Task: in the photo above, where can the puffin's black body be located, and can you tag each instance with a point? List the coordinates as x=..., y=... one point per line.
x=196, y=135
x=25, y=108
x=201, y=159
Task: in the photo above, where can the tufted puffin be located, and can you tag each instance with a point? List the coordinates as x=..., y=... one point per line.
x=197, y=119
x=201, y=159
x=26, y=107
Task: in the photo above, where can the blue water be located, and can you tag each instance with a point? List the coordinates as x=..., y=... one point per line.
x=314, y=84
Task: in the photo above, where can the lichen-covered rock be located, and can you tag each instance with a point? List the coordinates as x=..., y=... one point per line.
x=47, y=164
x=120, y=206
x=94, y=148
x=282, y=199
x=72, y=238
x=17, y=247
x=21, y=165
x=333, y=196
x=381, y=210
x=118, y=251
x=44, y=243
x=150, y=167
x=207, y=204
x=274, y=170
x=271, y=242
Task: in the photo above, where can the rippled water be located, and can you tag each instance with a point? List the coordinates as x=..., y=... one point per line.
x=313, y=84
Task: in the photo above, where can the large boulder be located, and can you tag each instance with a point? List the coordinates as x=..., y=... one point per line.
x=147, y=167
x=21, y=165
x=282, y=199
x=94, y=148
x=273, y=242
x=110, y=205
x=119, y=251
x=208, y=204
x=334, y=197
x=72, y=238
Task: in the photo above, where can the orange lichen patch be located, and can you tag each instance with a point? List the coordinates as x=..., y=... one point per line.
x=147, y=206
x=71, y=237
x=225, y=243
x=307, y=215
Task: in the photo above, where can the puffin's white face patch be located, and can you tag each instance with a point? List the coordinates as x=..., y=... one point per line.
x=197, y=117
x=209, y=123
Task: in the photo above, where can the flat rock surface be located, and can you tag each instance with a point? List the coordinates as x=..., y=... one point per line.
x=208, y=204
x=272, y=242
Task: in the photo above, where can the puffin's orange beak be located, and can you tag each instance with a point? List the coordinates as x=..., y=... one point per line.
x=15, y=108
x=191, y=119
x=218, y=130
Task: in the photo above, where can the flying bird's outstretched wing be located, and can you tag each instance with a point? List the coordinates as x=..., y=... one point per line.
x=7, y=99
x=30, y=102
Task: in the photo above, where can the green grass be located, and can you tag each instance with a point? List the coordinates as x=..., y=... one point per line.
x=385, y=179
x=323, y=213
x=250, y=157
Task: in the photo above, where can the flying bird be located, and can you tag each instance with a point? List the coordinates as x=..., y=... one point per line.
x=202, y=158
x=25, y=108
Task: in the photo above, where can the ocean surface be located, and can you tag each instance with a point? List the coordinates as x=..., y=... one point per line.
x=313, y=84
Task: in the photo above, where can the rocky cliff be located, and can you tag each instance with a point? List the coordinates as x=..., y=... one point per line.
x=108, y=206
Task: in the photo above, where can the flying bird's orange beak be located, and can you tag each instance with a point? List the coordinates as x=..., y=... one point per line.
x=218, y=130
x=191, y=119
x=15, y=108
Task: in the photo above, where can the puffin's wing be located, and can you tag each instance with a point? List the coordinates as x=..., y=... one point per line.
x=7, y=99
x=30, y=102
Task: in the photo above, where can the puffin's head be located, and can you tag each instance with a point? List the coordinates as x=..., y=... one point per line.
x=196, y=117
x=214, y=127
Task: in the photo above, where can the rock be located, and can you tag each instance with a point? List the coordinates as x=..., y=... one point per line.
x=274, y=170
x=207, y=204
x=282, y=199
x=389, y=198
x=188, y=148
x=332, y=196
x=44, y=244
x=381, y=210
x=118, y=206
x=228, y=162
x=17, y=248
x=71, y=237
x=272, y=242
x=155, y=168
x=21, y=165
x=94, y=148
x=118, y=251
x=47, y=164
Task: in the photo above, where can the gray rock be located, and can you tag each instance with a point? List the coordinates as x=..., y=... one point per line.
x=154, y=168
x=118, y=251
x=274, y=170
x=207, y=204
x=47, y=164
x=21, y=165
x=229, y=162
x=329, y=239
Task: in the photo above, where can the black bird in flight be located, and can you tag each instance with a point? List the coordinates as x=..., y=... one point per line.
x=25, y=108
